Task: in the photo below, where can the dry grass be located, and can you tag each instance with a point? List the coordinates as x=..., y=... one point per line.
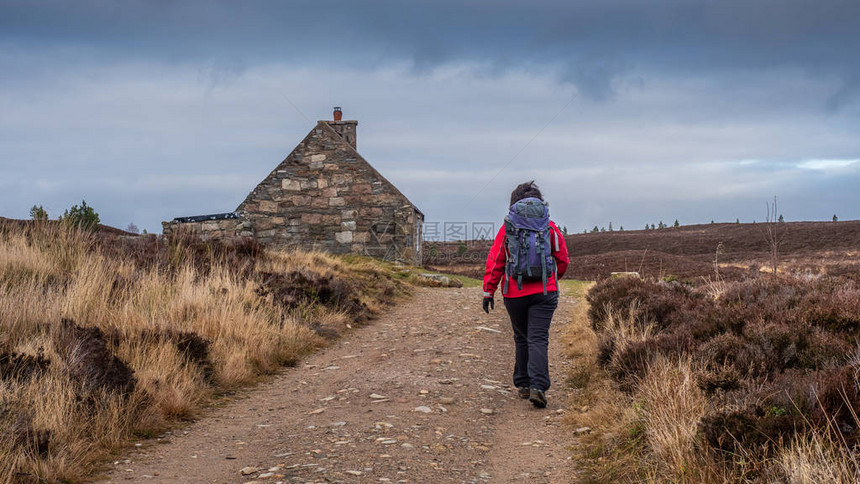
x=67, y=398
x=608, y=452
x=672, y=405
x=816, y=458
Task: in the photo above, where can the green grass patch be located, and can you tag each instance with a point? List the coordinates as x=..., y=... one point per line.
x=575, y=288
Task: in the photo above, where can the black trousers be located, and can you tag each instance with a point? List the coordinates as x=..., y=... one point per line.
x=530, y=318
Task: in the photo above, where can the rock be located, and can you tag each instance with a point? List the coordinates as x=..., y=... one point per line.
x=614, y=275
x=377, y=396
x=441, y=280
x=317, y=411
x=247, y=471
x=446, y=400
x=487, y=411
x=354, y=473
x=423, y=409
x=266, y=475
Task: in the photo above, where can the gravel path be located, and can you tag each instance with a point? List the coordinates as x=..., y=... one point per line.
x=420, y=395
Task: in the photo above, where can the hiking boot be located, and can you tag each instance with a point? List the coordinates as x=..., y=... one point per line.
x=537, y=398
x=524, y=392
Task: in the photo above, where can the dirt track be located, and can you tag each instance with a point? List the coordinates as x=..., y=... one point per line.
x=350, y=413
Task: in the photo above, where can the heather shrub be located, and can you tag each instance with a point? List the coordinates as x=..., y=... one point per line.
x=630, y=364
x=661, y=303
x=834, y=307
x=774, y=356
x=752, y=431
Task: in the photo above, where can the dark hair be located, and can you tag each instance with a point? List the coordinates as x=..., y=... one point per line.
x=525, y=190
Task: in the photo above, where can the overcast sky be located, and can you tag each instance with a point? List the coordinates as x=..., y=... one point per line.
x=623, y=111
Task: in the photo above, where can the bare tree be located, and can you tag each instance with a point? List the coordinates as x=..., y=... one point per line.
x=717, y=255
x=774, y=233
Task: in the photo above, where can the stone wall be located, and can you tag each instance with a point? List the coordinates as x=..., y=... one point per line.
x=325, y=196
x=210, y=229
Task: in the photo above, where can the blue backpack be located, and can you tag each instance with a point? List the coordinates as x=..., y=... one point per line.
x=529, y=245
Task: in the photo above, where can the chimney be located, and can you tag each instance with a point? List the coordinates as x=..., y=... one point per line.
x=346, y=129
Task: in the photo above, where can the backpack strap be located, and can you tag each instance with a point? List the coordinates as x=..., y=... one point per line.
x=541, y=247
x=555, y=264
x=523, y=253
x=527, y=238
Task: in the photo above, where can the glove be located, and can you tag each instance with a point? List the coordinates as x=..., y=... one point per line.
x=489, y=304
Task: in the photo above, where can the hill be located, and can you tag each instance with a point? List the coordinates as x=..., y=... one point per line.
x=686, y=251
x=19, y=225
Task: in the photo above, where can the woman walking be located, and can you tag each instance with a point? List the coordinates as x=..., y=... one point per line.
x=528, y=256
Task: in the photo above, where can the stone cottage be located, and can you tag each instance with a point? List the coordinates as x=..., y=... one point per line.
x=323, y=196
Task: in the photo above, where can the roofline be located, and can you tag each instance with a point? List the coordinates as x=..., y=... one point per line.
x=343, y=142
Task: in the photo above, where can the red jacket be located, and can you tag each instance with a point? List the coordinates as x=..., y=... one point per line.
x=495, y=271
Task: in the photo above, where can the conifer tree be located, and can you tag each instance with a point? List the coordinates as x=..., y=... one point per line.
x=38, y=213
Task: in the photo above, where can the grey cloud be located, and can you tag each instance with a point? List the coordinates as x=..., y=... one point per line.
x=592, y=42
x=686, y=110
